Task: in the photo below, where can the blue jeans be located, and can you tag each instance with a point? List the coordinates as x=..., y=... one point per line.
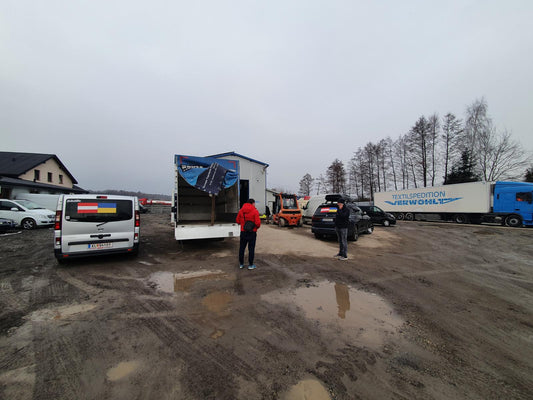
x=342, y=235
x=247, y=238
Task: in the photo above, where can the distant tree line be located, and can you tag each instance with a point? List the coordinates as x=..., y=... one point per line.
x=434, y=151
x=140, y=195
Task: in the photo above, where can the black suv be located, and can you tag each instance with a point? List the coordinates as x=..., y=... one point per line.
x=323, y=223
x=378, y=216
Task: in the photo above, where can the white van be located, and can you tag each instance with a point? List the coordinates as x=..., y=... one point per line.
x=91, y=224
x=25, y=213
x=308, y=210
x=48, y=201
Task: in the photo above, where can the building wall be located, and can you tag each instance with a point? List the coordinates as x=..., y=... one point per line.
x=255, y=174
x=50, y=166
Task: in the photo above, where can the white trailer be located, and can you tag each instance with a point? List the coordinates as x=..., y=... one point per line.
x=206, y=198
x=476, y=202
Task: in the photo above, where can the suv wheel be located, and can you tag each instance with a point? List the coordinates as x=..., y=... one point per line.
x=355, y=235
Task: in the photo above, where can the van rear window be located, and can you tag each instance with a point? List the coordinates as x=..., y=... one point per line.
x=98, y=210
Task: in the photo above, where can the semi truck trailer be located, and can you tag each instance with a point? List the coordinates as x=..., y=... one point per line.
x=205, y=201
x=508, y=203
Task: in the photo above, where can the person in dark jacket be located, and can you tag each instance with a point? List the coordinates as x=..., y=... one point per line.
x=248, y=213
x=341, y=227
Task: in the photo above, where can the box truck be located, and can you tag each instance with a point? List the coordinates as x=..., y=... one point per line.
x=205, y=201
x=509, y=203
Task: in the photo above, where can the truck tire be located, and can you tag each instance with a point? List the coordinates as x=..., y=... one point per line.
x=514, y=221
x=28, y=223
x=409, y=216
x=460, y=218
x=399, y=216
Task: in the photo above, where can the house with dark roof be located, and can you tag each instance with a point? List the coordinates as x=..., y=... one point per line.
x=252, y=179
x=34, y=173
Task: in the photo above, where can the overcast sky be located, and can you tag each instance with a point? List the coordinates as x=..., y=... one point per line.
x=116, y=88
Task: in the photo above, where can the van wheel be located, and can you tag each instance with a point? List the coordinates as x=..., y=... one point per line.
x=513, y=221
x=386, y=222
x=370, y=229
x=319, y=236
x=28, y=223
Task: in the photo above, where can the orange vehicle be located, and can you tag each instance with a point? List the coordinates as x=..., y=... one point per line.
x=286, y=211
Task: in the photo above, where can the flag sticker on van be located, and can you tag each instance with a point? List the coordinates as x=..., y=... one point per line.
x=97, y=208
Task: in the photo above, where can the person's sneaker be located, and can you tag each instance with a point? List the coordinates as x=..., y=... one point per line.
x=241, y=266
x=343, y=258
x=251, y=266
x=336, y=256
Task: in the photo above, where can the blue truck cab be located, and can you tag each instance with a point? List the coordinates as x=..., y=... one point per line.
x=515, y=201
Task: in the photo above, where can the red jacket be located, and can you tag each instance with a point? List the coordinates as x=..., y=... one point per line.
x=248, y=212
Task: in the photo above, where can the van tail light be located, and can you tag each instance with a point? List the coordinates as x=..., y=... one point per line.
x=57, y=225
x=137, y=219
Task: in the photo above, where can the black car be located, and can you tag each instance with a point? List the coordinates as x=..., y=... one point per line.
x=7, y=224
x=378, y=216
x=323, y=223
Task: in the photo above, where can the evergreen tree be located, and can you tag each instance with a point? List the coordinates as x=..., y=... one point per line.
x=529, y=175
x=464, y=171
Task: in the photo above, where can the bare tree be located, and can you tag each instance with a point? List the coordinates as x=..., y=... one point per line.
x=306, y=185
x=336, y=177
x=433, y=136
x=321, y=185
x=419, y=138
x=476, y=124
x=500, y=156
x=451, y=133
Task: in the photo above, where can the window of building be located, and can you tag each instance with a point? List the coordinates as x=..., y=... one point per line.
x=61, y=179
x=50, y=177
x=36, y=175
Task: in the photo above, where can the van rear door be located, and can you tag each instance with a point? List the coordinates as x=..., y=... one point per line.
x=92, y=224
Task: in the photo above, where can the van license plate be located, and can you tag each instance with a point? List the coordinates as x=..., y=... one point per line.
x=327, y=219
x=100, y=245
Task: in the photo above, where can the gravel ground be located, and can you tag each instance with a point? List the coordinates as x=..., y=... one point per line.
x=419, y=311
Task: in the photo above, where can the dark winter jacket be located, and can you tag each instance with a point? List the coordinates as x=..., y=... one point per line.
x=248, y=212
x=342, y=218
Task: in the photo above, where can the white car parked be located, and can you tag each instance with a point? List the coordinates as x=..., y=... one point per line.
x=26, y=213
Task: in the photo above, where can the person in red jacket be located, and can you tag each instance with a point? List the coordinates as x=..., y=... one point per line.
x=248, y=219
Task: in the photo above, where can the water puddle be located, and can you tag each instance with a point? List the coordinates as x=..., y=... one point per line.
x=217, y=302
x=61, y=312
x=362, y=316
x=169, y=282
x=308, y=389
x=122, y=370
x=217, y=333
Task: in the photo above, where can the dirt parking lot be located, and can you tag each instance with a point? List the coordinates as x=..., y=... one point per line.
x=419, y=311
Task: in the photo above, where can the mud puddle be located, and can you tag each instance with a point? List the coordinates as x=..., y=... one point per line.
x=170, y=282
x=361, y=316
x=308, y=389
x=122, y=370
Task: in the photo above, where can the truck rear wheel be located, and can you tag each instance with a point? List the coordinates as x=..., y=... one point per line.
x=409, y=216
x=399, y=216
x=513, y=221
x=460, y=218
